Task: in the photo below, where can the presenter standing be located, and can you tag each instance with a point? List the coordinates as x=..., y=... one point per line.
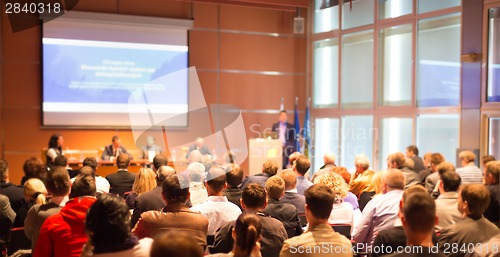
x=286, y=134
x=114, y=149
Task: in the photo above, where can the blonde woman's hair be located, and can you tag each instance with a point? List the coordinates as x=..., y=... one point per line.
x=144, y=182
x=335, y=182
x=377, y=182
x=35, y=191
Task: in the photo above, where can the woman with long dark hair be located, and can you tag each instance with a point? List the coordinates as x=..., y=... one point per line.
x=246, y=234
x=56, y=142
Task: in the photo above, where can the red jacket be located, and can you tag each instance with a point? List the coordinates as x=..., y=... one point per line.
x=63, y=234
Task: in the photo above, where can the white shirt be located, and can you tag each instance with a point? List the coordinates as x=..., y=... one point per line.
x=198, y=193
x=101, y=184
x=219, y=211
x=341, y=214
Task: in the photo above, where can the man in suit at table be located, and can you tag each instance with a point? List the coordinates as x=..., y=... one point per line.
x=121, y=181
x=287, y=135
x=114, y=149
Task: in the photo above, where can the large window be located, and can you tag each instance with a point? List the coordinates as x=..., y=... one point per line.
x=360, y=14
x=395, y=135
x=494, y=137
x=438, y=133
x=357, y=138
x=326, y=73
x=357, y=70
x=395, y=57
x=434, y=5
x=326, y=16
x=494, y=55
x=438, y=61
x=394, y=8
x=326, y=132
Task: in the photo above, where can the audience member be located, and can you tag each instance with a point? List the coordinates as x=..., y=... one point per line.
x=427, y=171
x=234, y=176
x=291, y=196
x=410, y=164
x=121, y=181
x=381, y=212
x=176, y=216
x=292, y=158
x=108, y=230
x=473, y=199
x=328, y=164
x=491, y=180
x=62, y=161
x=412, y=153
x=197, y=189
x=441, y=168
x=253, y=200
x=246, y=234
x=418, y=218
x=58, y=185
x=361, y=181
x=398, y=161
x=34, y=193
x=152, y=200
x=63, y=234
x=342, y=212
x=175, y=243
x=13, y=192
x=488, y=248
x=446, y=204
x=469, y=172
x=217, y=209
x=319, y=202
x=350, y=197
x=114, y=150
x=34, y=168
x=158, y=161
x=144, y=182
x=284, y=212
x=7, y=217
x=487, y=158
x=101, y=184
x=300, y=167
x=269, y=169
x=392, y=238
x=54, y=148
x=432, y=179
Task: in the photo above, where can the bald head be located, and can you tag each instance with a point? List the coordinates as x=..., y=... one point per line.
x=163, y=172
x=392, y=179
x=329, y=158
x=290, y=179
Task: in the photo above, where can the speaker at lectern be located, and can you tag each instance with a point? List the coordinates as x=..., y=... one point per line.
x=262, y=149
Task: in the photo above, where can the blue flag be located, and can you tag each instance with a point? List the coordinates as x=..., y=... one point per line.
x=306, y=132
x=297, y=127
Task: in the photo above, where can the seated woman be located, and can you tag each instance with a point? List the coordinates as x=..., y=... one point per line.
x=54, y=149
x=144, y=182
x=34, y=193
x=246, y=234
x=108, y=229
x=342, y=212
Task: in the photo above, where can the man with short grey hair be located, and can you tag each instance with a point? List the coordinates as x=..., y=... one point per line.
x=197, y=190
x=361, y=181
x=381, y=212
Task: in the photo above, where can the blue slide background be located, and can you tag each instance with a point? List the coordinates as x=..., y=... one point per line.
x=61, y=66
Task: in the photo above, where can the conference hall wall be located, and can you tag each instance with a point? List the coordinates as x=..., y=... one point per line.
x=231, y=47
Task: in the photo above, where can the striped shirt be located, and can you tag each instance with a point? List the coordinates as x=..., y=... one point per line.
x=470, y=175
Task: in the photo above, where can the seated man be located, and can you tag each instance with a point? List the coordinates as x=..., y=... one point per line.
x=291, y=196
x=196, y=175
x=113, y=150
x=199, y=146
x=273, y=233
x=329, y=163
x=13, y=192
x=431, y=180
x=284, y=212
x=234, y=176
x=361, y=181
x=300, y=167
x=473, y=199
x=398, y=161
x=58, y=185
x=217, y=208
x=101, y=184
x=491, y=180
x=418, y=218
x=269, y=169
x=63, y=234
x=62, y=161
x=176, y=216
x=7, y=217
x=121, y=181
x=382, y=211
x=446, y=203
x=469, y=172
x=319, y=204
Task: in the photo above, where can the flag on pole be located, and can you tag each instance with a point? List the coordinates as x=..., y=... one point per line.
x=306, y=132
x=297, y=126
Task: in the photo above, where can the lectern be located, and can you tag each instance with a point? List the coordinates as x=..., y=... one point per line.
x=260, y=150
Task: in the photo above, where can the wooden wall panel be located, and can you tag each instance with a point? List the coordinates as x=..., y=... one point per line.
x=244, y=49
x=262, y=53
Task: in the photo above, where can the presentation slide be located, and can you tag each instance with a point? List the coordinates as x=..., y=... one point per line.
x=89, y=82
